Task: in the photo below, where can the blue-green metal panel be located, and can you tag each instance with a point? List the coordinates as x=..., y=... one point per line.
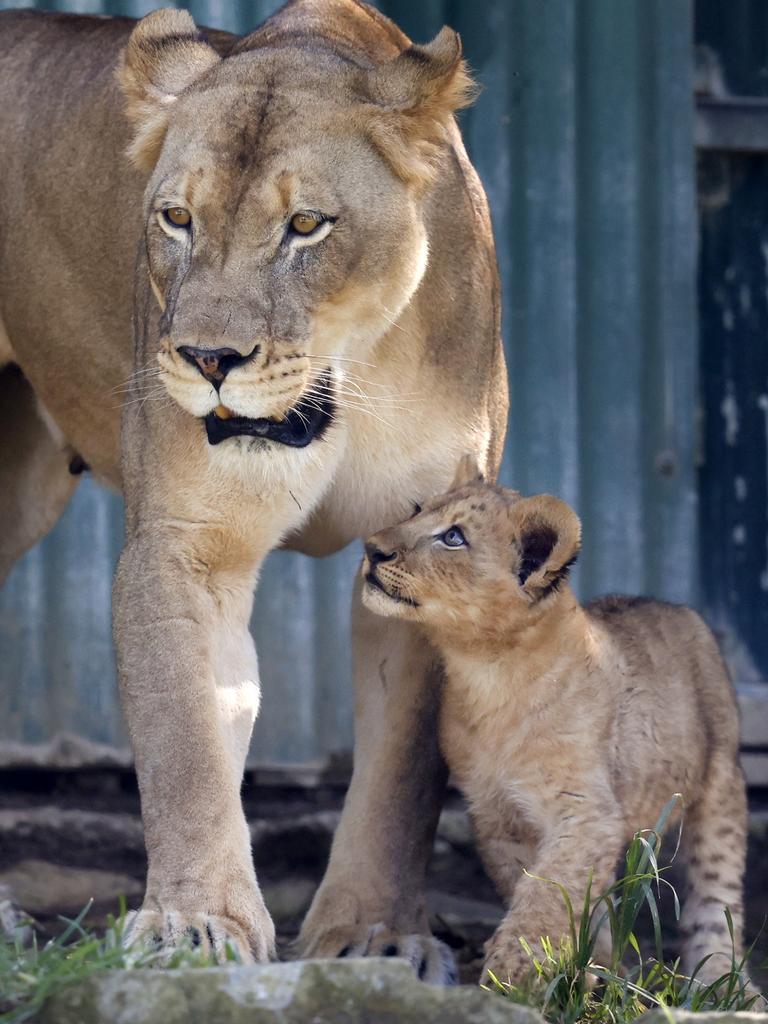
x=736, y=33
x=734, y=352
x=583, y=138
x=733, y=308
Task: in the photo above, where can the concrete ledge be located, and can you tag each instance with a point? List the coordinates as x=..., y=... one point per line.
x=364, y=991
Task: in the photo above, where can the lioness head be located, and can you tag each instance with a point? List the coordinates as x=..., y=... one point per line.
x=472, y=558
x=284, y=230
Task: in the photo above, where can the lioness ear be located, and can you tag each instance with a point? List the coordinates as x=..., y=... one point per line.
x=467, y=472
x=546, y=537
x=413, y=98
x=164, y=55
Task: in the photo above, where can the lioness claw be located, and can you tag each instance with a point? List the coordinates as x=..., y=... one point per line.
x=430, y=958
x=220, y=937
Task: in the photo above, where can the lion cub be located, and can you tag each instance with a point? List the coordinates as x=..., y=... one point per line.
x=567, y=727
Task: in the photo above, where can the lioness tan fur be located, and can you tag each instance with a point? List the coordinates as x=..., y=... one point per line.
x=389, y=308
x=567, y=727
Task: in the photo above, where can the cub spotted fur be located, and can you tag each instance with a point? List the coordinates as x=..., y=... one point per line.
x=567, y=727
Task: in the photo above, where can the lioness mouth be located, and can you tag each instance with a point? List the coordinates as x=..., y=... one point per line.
x=374, y=581
x=306, y=421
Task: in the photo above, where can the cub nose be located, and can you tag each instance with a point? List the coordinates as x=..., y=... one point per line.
x=214, y=363
x=376, y=555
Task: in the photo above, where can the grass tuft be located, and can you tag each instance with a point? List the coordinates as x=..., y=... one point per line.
x=567, y=985
x=30, y=972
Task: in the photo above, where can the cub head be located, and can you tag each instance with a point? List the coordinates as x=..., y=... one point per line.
x=478, y=560
x=284, y=229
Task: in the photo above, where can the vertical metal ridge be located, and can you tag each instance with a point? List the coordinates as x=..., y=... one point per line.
x=610, y=355
x=667, y=260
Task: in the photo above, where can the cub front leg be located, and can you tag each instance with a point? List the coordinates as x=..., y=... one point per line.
x=371, y=901
x=567, y=855
x=189, y=689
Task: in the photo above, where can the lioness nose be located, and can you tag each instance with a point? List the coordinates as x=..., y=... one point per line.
x=376, y=555
x=214, y=363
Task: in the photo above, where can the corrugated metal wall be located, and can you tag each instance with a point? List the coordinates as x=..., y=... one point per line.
x=733, y=296
x=583, y=138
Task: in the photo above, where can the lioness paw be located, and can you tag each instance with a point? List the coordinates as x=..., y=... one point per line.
x=431, y=959
x=220, y=937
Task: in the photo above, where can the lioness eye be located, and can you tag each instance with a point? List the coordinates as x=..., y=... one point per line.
x=453, y=538
x=177, y=216
x=305, y=223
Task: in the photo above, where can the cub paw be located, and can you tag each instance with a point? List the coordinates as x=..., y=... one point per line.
x=220, y=937
x=431, y=959
x=506, y=960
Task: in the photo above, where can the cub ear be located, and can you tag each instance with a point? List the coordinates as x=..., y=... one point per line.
x=467, y=472
x=547, y=537
x=412, y=99
x=164, y=55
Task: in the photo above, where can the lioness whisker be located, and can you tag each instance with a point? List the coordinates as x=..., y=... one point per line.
x=136, y=383
x=356, y=401
x=140, y=377
x=141, y=370
x=304, y=419
x=157, y=393
x=381, y=399
x=349, y=376
x=342, y=359
x=127, y=399
x=125, y=388
x=352, y=381
x=142, y=401
x=345, y=403
x=158, y=389
x=383, y=310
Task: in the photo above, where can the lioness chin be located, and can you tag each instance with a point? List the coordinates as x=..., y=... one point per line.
x=305, y=254
x=568, y=728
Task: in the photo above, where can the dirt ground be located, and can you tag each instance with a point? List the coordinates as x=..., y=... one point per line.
x=68, y=837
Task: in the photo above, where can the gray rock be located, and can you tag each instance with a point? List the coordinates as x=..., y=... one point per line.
x=314, y=823
x=305, y=992
x=288, y=900
x=49, y=889
x=455, y=828
x=13, y=922
x=468, y=921
x=90, y=837
x=686, y=1017
x=64, y=750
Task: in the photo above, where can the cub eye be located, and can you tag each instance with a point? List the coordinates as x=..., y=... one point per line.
x=416, y=509
x=453, y=538
x=306, y=223
x=177, y=216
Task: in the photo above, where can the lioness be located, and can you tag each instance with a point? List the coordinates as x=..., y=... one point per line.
x=567, y=727
x=307, y=241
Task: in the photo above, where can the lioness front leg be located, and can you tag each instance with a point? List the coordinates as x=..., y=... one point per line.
x=371, y=901
x=573, y=850
x=189, y=688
